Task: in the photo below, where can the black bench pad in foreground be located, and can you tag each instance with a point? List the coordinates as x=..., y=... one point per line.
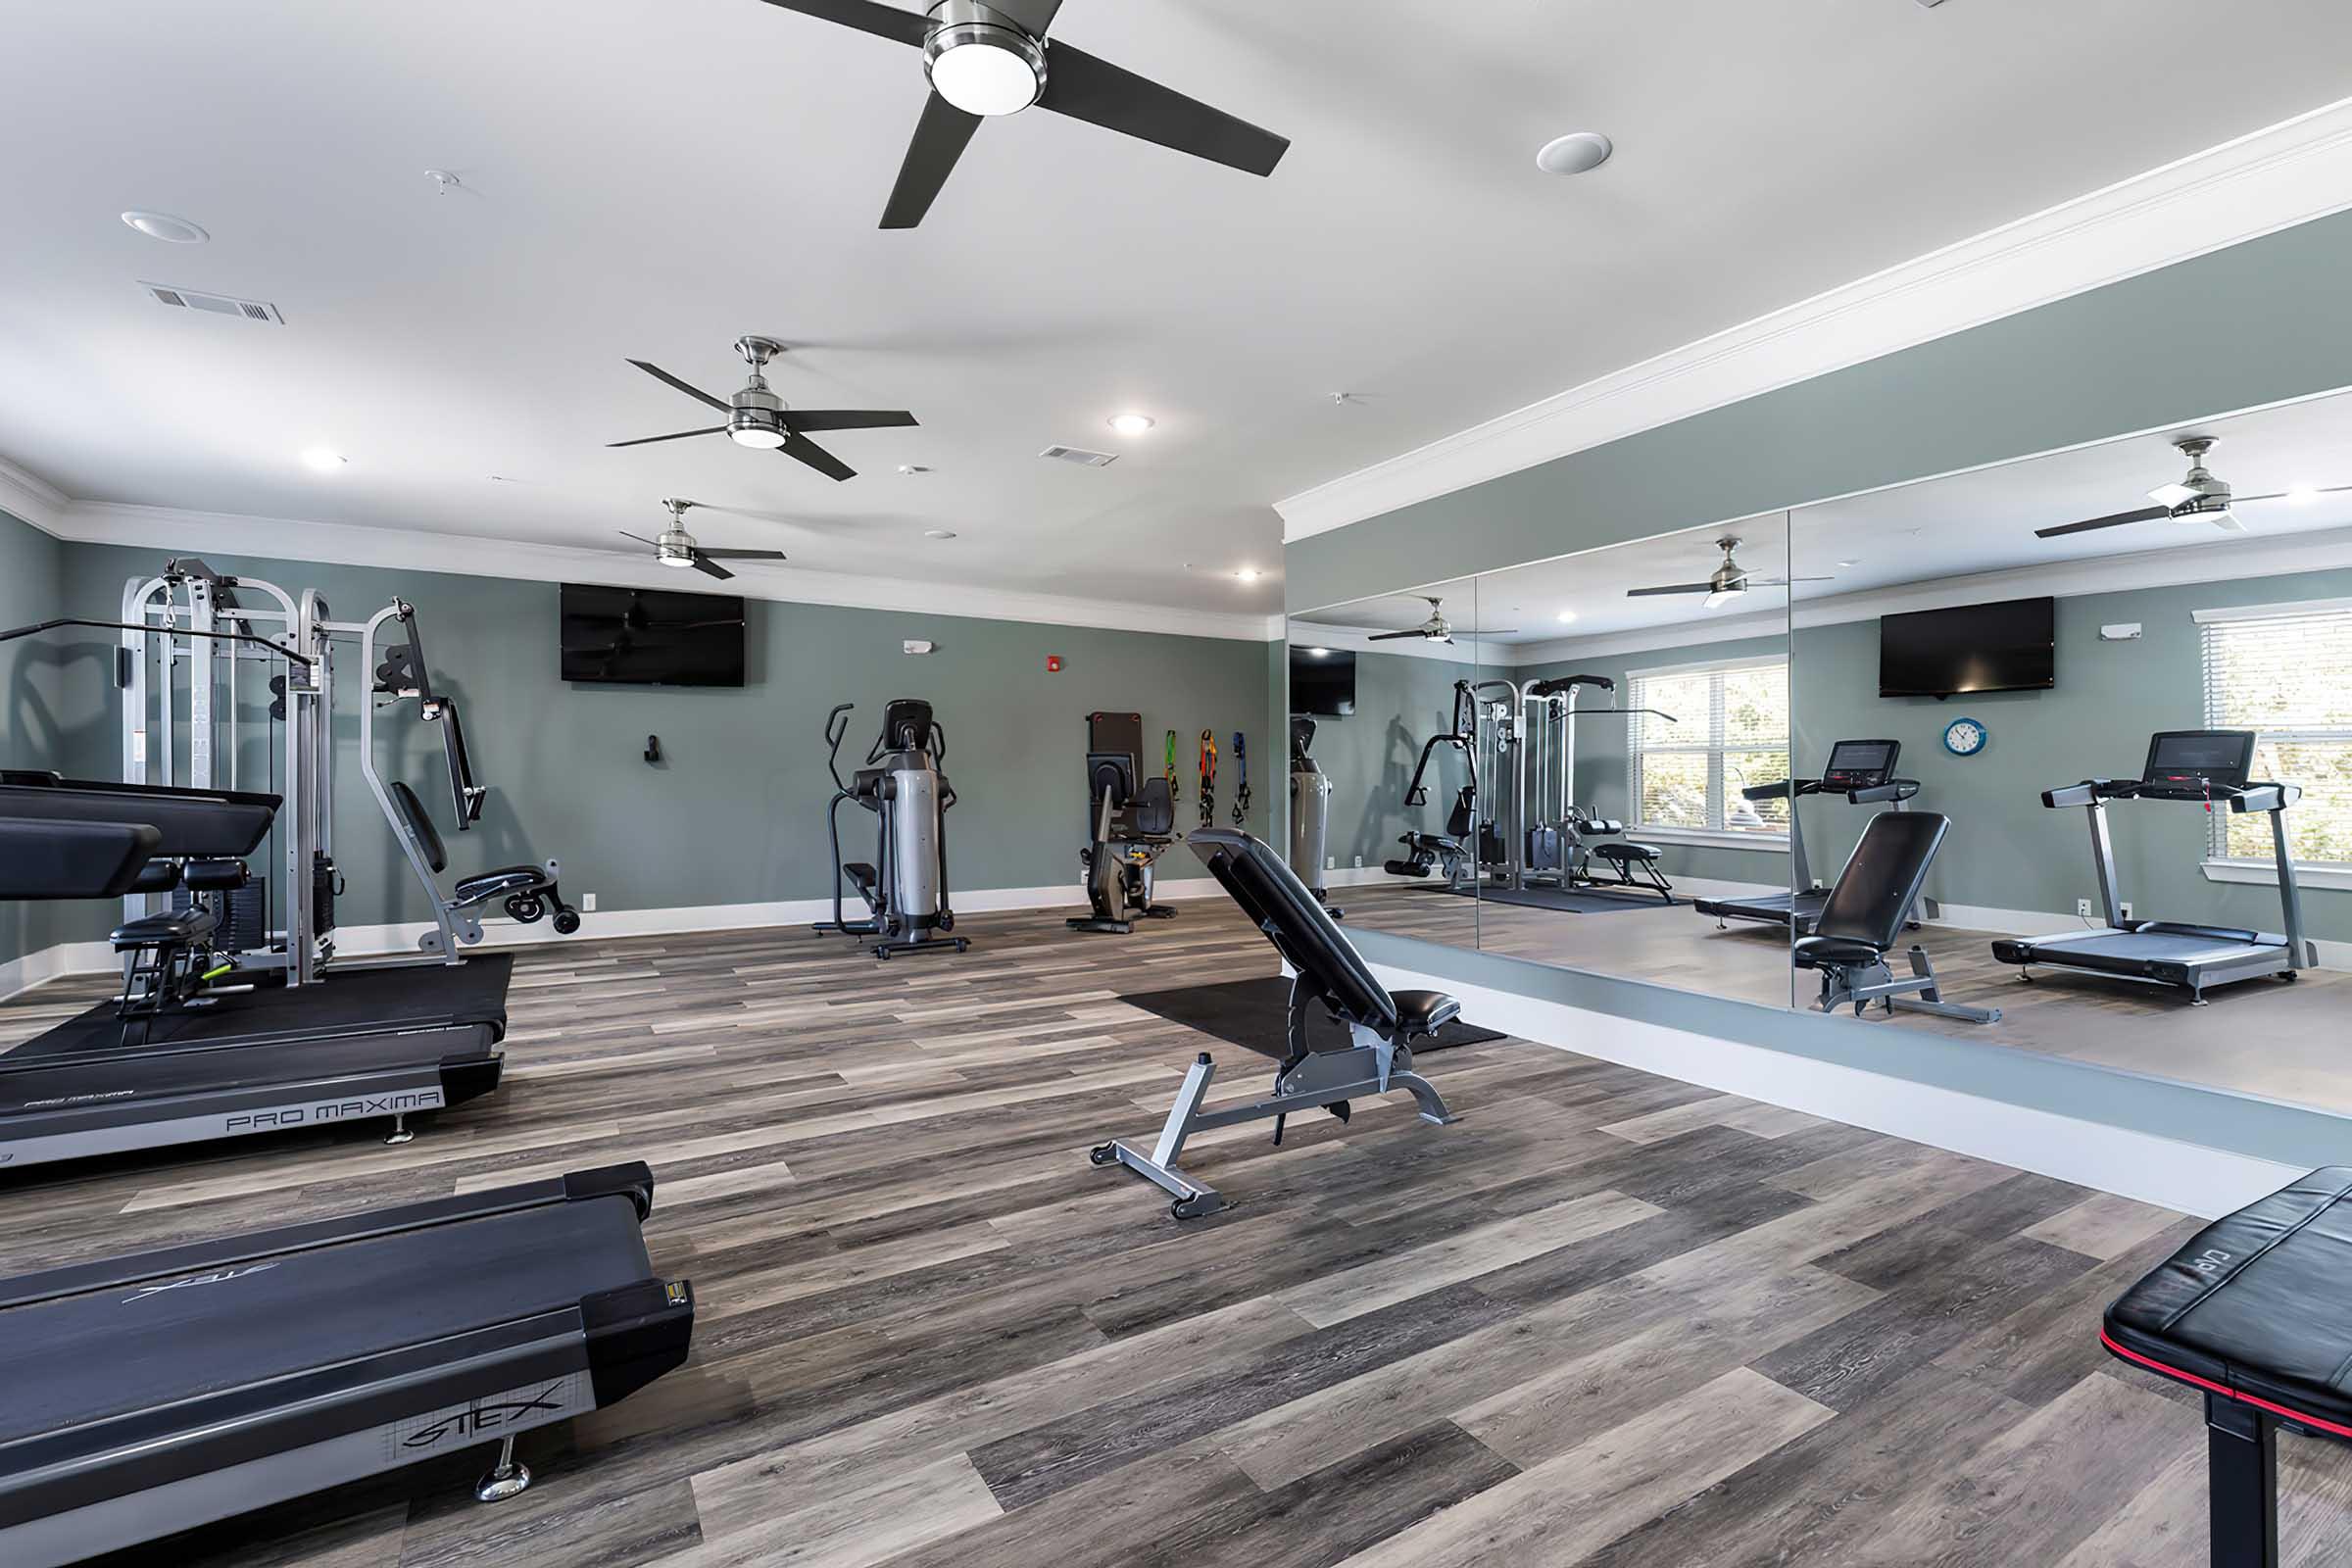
x=2257, y=1307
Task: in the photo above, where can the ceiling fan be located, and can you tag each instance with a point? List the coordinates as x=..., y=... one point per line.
x=2199, y=497
x=757, y=417
x=1728, y=581
x=994, y=60
x=1436, y=629
x=677, y=547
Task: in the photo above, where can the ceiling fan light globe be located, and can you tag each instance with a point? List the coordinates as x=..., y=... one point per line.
x=757, y=427
x=668, y=559
x=985, y=68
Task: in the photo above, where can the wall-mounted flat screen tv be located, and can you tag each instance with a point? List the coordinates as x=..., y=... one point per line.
x=1322, y=680
x=650, y=637
x=2008, y=647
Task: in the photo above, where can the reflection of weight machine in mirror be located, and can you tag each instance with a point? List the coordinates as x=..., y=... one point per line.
x=1863, y=773
x=2208, y=767
x=1538, y=843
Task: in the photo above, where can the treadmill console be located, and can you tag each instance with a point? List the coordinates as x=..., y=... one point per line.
x=1859, y=765
x=2193, y=765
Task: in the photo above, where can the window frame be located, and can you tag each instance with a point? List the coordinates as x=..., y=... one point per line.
x=2220, y=865
x=1639, y=744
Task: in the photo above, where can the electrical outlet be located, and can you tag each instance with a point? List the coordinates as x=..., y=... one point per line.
x=1330, y=862
x=1359, y=862
x=2125, y=910
x=588, y=904
x=2082, y=908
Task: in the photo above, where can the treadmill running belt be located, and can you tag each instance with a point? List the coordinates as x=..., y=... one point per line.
x=376, y=1000
x=105, y=1353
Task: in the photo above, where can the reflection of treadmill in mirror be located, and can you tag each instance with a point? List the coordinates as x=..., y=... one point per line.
x=1863, y=772
x=2204, y=767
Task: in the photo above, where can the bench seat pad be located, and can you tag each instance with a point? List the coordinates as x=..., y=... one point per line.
x=1620, y=850
x=2258, y=1306
x=174, y=927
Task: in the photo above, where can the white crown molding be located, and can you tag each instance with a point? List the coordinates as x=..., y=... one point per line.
x=2274, y=178
x=349, y=545
x=29, y=498
x=2240, y=559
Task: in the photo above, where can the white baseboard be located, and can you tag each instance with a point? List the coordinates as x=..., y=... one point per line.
x=2192, y=1179
x=367, y=941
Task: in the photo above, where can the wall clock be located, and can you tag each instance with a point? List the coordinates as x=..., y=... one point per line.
x=1964, y=737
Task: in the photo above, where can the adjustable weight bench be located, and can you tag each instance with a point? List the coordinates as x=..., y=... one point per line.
x=528, y=891
x=2253, y=1311
x=1864, y=918
x=1382, y=1024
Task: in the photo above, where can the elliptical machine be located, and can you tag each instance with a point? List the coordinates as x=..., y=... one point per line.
x=906, y=886
x=1310, y=811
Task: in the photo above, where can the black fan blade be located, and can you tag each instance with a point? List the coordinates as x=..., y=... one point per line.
x=697, y=393
x=844, y=418
x=1102, y=94
x=740, y=555
x=940, y=138
x=711, y=569
x=648, y=440
x=1674, y=588
x=1392, y=636
x=2144, y=514
x=884, y=21
x=817, y=458
x=1034, y=16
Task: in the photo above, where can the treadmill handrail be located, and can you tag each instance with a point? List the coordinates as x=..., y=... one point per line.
x=634, y=1180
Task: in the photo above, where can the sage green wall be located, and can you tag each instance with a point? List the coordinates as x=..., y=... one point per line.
x=2007, y=851
x=736, y=812
x=32, y=585
x=2254, y=324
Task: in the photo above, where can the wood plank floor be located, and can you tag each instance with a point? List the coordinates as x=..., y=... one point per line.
x=2261, y=1036
x=1605, y=1318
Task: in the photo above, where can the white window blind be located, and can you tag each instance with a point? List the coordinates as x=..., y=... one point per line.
x=2287, y=676
x=1730, y=731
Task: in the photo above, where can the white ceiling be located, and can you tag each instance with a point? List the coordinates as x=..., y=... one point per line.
x=1958, y=526
x=652, y=178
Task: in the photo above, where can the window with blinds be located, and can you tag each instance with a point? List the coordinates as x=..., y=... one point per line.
x=1729, y=732
x=2285, y=673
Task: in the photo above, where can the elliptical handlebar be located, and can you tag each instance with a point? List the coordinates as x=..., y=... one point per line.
x=837, y=726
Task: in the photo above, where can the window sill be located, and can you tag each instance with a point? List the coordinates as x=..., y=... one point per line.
x=1714, y=837
x=2260, y=873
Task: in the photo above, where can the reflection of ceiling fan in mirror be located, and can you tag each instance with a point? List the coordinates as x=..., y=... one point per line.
x=2199, y=497
x=1436, y=628
x=677, y=547
x=1729, y=581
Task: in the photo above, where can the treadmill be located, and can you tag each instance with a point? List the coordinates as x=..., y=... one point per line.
x=2206, y=768
x=1863, y=771
x=151, y=1393
x=367, y=1045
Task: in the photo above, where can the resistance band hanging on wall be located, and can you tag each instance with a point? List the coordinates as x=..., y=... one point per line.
x=1241, y=764
x=1168, y=772
x=1208, y=780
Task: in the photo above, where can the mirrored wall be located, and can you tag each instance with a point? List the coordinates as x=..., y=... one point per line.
x=2006, y=755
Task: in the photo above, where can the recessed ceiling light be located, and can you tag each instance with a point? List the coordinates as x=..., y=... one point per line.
x=1248, y=574
x=1577, y=153
x=2303, y=494
x=913, y=468
x=1131, y=423
x=321, y=459
x=1850, y=563
x=1565, y=617
x=983, y=66
x=939, y=533
x=163, y=227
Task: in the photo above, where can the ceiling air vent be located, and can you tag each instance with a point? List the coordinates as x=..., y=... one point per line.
x=189, y=299
x=1080, y=456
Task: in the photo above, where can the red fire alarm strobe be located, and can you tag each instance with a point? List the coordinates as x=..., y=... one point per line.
x=1053, y=663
